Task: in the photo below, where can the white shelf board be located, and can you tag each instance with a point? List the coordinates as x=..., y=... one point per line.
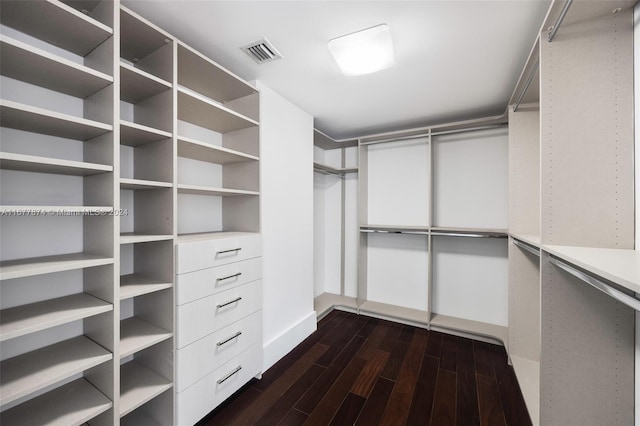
x=202, y=111
x=135, y=184
x=56, y=23
x=137, y=237
x=533, y=240
x=136, y=335
x=321, y=168
x=483, y=329
x=19, y=268
x=201, y=151
x=25, y=319
x=325, y=302
x=139, y=384
x=28, y=373
x=622, y=267
x=137, y=85
x=134, y=134
x=72, y=404
x=207, y=190
x=139, y=38
x=31, y=119
x=55, y=210
x=32, y=163
x=134, y=285
x=23, y=62
x=393, y=311
x=137, y=418
x=528, y=375
x=201, y=236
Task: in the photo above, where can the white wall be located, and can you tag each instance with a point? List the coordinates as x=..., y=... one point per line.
x=636, y=55
x=286, y=175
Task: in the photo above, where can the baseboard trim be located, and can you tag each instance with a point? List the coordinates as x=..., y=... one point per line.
x=278, y=347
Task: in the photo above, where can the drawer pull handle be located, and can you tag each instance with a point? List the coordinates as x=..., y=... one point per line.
x=227, y=340
x=229, y=277
x=237, y=299
x=228, y=376
x=228, y=251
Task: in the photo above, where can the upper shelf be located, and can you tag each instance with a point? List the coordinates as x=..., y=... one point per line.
x=134, y=134
x=197, y=109
x=10, y=269
x=22, y=62
x=204, y=76
x=207, y=190
x=139, y=184
x=196, y=150
x=533, y=240
x=31, y=163
x=137, y=85
x=31, y=119
x=321, y=168
x=323, y=141
x=139, y=38
x=57, y=23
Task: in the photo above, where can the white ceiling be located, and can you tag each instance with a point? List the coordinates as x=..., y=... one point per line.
x=454, y=59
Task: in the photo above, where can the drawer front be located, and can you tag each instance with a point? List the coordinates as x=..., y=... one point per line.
x=202, y=357
x=197, y=255
x=204, y=316
x=198, y=400
x=196, y=285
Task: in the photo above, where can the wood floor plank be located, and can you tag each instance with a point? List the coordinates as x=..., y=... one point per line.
x=515, y=409
x=391, y=337
x=448, y=356
x=444, y=404
x=373, y=409
x=491, y=412
x=434, y=345
x=400, y=400
x=482, y=359
x=407, y=333
x=231, y=408
x=367, y=378
x=392, y=367
x=294, y=418
x=374, y=341
x=467, y=395
x=349, y=410
x=369, y=327
x=339, y=339
x=422, y=402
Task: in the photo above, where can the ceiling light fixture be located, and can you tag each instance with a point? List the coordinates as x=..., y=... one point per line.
x=365, y=51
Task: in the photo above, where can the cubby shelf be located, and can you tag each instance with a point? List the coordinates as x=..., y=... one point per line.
x=325, y=302
x=491, y=331
x=32, y=163
x=19, y=268
x=137, y=237
x=139, y=384
x=136, y=84
x=134, y=134
x=139, y=39
x=206, y=190
x=22, y=62
x=133, y=285
x=57, y=23
x=136, y=335
x=72, y=404
x=25, y=319
x=201, y=151
x=38, y=120
x=202, y=111
x=135, y=184
x=136, y=418
x=25, y=374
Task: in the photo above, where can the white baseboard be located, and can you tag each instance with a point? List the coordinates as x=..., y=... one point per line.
x=281, y=345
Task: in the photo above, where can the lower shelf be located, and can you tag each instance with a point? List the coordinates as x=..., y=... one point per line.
x=325, y=302
x=491, y=331
x=138, y=385
x=137, y=418
x=136, y=335
x=395, y=312
x=72, y=404
x=528, y=374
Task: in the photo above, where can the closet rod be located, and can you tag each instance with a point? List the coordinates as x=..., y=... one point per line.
x=463, y=234
x=524, y=246
x=398, y=139
x=534, y=70
x=384, y=231
x=621, y=297
x=555, y=27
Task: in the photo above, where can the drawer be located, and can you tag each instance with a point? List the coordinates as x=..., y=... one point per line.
x=198, y=400
x=203, y=356
x=204, y=316
x=197, y=255
x=196, y=285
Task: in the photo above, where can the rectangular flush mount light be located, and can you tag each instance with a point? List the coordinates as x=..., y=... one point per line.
x=365, y=51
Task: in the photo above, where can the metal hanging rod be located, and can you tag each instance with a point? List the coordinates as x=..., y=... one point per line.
x=555, y=27
x=444, y=132
x=464, y=234
x=385, y=231
x=618, y=295
x=524, y=246
x=398, y=139
x=534, y=70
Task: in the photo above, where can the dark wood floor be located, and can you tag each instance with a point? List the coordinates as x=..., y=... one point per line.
x=356, y=370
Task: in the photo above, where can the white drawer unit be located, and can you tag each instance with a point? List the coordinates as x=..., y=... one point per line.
x=203, y=254
x=203, y=356
x=199, y=399
x=196, y=285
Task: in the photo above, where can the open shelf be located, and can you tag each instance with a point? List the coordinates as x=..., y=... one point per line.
x=139, y=39
x=393, y=311
x=325, y=302
x=134, y=134
x=33, y=371
x=533, y=240
x=136, y=335
x=25, y=319
x=135, y=184
x=136, y=418
x=56, y=23
x=528, y=374
x=201, y=151
x=134, y=285
x=139, y=384
x=32, y=163
x=136, y=84
x=23, y=62
x=10, y=269
x=206, y=190
x=72, y=404
x=137, y=237
x=328, y=170
x=202, y=111
x=491, y=331
x=32, y=119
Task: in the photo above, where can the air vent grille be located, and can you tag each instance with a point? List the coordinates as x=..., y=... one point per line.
x=262, y=51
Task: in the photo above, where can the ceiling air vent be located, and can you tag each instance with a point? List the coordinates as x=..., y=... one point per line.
x=262, y=51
